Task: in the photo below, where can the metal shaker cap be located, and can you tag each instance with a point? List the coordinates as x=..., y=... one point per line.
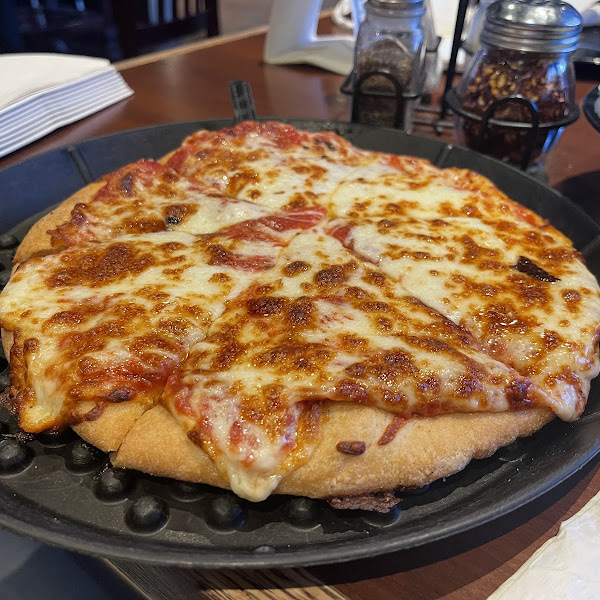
x=404, y=8
x=532, y=26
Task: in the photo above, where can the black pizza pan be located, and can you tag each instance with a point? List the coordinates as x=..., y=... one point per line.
x=62, y=491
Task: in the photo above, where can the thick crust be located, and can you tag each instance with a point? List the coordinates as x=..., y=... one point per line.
x=422, y=451
x=37, y=239
x=157, y=445
x=108, y=431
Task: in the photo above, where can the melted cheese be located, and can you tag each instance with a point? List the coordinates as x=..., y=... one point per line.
x=109, y=323
x=270, y=164
x=421, y=291
x=321, y=325
x=147, y=197
x=467, y=270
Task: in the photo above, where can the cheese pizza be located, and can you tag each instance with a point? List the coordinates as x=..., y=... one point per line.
x=277, y=311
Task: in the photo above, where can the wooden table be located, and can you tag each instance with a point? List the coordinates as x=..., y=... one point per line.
x=192, y=83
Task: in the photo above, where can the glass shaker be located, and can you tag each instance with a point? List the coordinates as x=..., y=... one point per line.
x=432, y=65
x=522, y=67
x=471, y=43
x=388, y=63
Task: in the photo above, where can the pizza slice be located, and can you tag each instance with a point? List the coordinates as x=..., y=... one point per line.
x=406, y=186
x=272, y=164
x=322, y=327
x=522, y=290
x=142, y=197
x=93, y=326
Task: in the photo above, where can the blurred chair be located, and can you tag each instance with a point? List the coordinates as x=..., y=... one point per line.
x=114, y=29
x=162, y=22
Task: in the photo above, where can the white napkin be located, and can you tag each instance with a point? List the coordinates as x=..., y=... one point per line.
x=42, y=92
x=565, y=567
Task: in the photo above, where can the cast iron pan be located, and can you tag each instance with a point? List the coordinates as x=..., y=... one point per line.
x=62, y=491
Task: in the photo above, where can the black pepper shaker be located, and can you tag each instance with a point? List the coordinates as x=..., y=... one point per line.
x=388, y=63
x=522, y=73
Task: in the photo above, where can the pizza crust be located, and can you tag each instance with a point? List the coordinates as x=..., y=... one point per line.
x=108, y=431
x=38, y=239
x=423, y=450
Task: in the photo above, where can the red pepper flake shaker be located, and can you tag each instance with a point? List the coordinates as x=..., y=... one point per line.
x=525, y=53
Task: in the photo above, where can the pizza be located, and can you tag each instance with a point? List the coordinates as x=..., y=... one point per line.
x=271, y=310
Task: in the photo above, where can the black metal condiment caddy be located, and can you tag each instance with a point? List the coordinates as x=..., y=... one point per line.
x=437, y=118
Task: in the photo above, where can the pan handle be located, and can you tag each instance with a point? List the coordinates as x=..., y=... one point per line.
x=242, y=100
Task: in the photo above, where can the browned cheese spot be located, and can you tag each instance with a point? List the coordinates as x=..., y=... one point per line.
x=572, y=299
x=298, y=200
x=153, y=292
x=121, y=394
x=374, y=306
x=219, y=255
x=473, y=251
x=67, y=317
x=31, y=345
x=385, y=224
x=169, y=247
x=175, y=213
x=356, y=370
x=220, y=278
x=374, y=278
x=333, y=275
x=357, y=293
x=266, y=306
x=238, y=181
x=353, y=448
x=299, y=311
x=430, y=384
x=126, y=185
x=166, y=191
x=391, y=430
x=295, y=268
x=499, y=318
x=551, y=340
x=517, y=393
x=491, y=265
x=287, y=357
x=350, y=391
x=226, y=355
x=176, y=327
x=265, y=289
x=93, y=340
x=352, y=341
x=170, y=177
x=384, y=323
x=95, y=268
x=531, y=292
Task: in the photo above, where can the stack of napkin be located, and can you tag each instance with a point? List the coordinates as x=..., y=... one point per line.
x=42, y=92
